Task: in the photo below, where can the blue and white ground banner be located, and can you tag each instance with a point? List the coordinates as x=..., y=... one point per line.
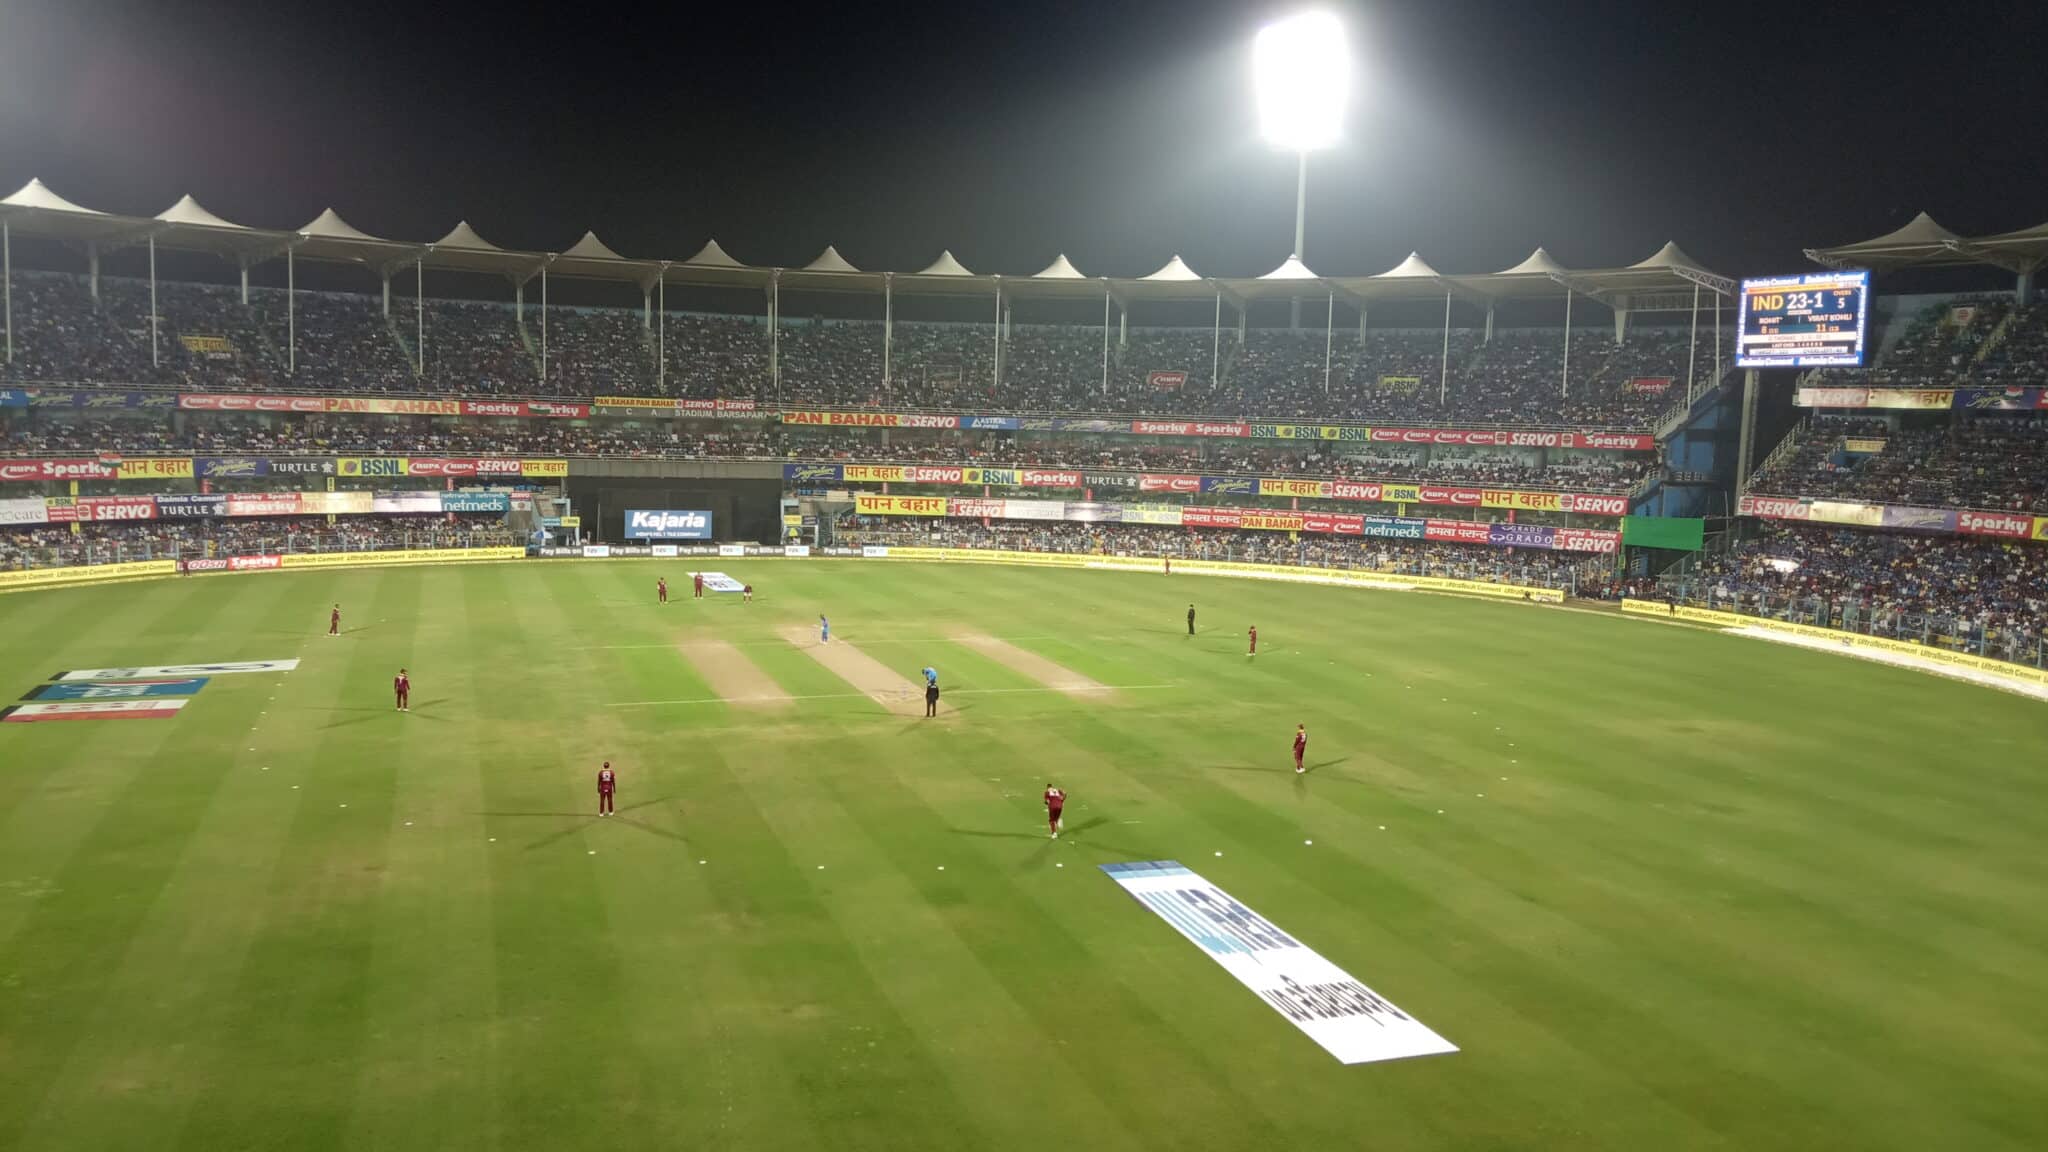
x=1351, y=1021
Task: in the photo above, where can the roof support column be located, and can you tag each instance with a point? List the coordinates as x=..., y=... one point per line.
x=1361, y=325
x=2022, y=290
x=996, y=380
x=1242, y=309
x=92, y=272
x=419, y=312
x=519, y=303
x=1717, y=336
x=291, y=310
x=661, y=333
x=646, y=308
x=154, y=357
x=385, y=277
x=1216, y=346
x=1123, y=327
x=1564, y=384
x=1105, y=339
x=888, y=327
x=1489, y=321
x=1443, y=380
x=775, y=335
x=1620, y=320
x=245, y=283
x=1693, y=343
x=7, y=277
x=1329, y=338
x=543, y=325
x=1300, y=222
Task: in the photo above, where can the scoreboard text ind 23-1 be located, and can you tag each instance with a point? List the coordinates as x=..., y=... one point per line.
x=1803, y=321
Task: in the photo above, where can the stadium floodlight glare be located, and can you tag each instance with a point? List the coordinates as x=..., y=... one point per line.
x=1301, y=71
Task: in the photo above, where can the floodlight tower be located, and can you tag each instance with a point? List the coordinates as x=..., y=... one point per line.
x=1301, y=72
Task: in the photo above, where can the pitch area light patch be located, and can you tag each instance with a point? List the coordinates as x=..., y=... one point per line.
x=1349, y=1020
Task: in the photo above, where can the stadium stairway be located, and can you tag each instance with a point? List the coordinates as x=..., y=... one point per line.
x=405, y=348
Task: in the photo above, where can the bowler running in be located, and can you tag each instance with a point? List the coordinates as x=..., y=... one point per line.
x=1054, y=801
x=1300, y=746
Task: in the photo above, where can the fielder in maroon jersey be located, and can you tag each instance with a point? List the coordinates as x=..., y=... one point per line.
x=605, y=783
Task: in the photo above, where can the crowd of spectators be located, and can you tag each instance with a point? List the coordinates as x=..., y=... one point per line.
x=1983, y=595
x=1991, y=462
x=1941, y=345
x=2016, y=359
x=55, y=545
x=1409, y=557
x=207, y=338
x=136, y=434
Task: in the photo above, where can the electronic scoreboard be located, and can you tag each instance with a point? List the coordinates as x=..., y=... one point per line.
x=1803, y=321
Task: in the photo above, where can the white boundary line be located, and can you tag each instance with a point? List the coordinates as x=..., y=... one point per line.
x=872, y=695
x=1977, y=676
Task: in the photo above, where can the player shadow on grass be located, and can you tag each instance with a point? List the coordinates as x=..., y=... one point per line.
x=1068, y=834
x=582, y=820
x=372, y=712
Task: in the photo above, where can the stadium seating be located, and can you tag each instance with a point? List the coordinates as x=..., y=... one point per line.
x=231, y=434
x=1415, y=558
x=1984, y=596
x=343, y=342
x=56, y=545
x=1938, y=346
x=1994, y=462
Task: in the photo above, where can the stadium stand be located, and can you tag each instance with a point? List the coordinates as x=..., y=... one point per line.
x=344, y=343
x=1413, y=558
x=1982, y=596
x=58, y=545
x=1996, y=462
x=235, y=434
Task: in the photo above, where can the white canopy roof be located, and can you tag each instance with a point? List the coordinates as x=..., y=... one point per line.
x=1920, y=240
x=36, y=210
x=1061, y=268
x=2022, y=251
x=188, y=211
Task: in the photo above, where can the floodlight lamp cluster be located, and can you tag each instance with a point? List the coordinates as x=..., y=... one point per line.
x=1301, y=71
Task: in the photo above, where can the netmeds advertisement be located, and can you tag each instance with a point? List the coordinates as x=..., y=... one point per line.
x=667, y=524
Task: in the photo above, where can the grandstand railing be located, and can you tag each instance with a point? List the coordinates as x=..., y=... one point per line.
x=880, y=455
x=1788, y=445
x=1567, y=579
x=15, y=556
x=1853, y=614
x=770, y=406
x=1677, y=416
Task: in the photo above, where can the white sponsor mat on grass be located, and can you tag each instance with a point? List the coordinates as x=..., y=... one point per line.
x=1351, y=1021
x=152, y=672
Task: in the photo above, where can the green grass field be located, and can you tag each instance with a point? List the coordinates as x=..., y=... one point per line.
x=1665, y=889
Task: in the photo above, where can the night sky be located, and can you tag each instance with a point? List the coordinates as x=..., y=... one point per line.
x=1117, y=131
